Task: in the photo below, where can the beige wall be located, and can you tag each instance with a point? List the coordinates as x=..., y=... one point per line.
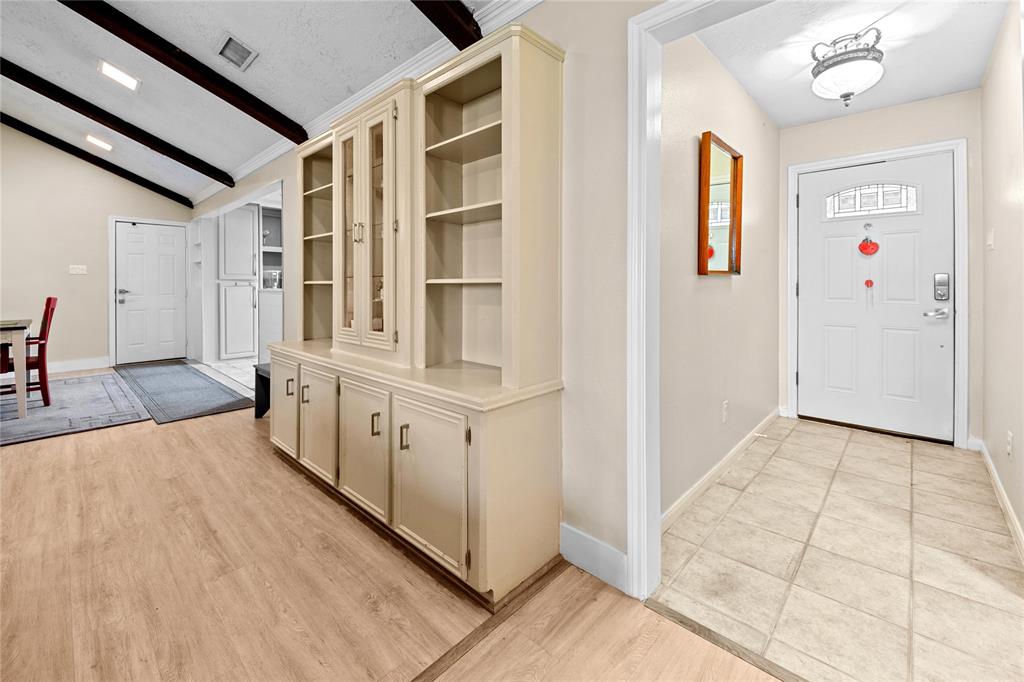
x=930, y=120
x=55, y=213
x=1002, y=121
x=718, y=334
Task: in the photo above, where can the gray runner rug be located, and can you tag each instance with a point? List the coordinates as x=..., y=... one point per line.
x=173, y=390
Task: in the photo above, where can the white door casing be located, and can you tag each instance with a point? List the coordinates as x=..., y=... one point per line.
x=880, y=356
x=149, y=289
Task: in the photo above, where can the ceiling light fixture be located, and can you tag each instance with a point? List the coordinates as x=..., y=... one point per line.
x=114, y=73
x=847, y=66
x=105, y=146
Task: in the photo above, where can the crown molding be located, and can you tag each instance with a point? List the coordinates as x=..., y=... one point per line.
x=493, y=16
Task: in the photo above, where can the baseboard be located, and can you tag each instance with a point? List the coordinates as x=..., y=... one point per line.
x=1012, y=520
x=597, y=558
x=78, y=365
x=672, y=513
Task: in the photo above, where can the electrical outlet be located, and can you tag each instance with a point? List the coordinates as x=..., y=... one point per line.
x=1009, y=443
x=725, y=411
x=77, y=270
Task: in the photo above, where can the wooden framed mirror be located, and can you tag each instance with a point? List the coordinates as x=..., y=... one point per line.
x=720, y=207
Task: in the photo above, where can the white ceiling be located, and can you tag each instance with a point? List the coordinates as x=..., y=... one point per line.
x=312, y=57
x=932, y=48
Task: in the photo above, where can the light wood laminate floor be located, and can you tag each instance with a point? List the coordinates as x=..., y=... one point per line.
x=190, y=551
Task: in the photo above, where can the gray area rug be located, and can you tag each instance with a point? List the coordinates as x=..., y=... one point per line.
x=76, y=404
x=173, y=390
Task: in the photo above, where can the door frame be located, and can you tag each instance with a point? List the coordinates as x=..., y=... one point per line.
x=646, y=33
x=112, y=276
x=961, y=357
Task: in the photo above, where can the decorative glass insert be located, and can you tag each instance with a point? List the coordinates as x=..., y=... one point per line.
x=871, y=200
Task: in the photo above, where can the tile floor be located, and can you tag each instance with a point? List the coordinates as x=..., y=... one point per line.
x=237, y=375
x=842, y=554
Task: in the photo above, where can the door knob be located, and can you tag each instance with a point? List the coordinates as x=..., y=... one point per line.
x=938, y=313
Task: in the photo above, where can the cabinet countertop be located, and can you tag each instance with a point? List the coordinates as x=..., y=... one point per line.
x=470, y=385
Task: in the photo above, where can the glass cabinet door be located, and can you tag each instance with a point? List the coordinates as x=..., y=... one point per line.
x=349, y=231
x=377, y=284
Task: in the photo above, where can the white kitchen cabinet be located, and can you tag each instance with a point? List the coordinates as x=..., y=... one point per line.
x=318, y=419
x=365, y=454
x=238, y=321
x=238, y=243
x=430, y=480
x=284, y=401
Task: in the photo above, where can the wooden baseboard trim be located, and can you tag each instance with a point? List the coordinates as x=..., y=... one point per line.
x=754, y=659
x=508, y=606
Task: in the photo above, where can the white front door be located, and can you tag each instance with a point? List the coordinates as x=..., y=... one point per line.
x=875, y=344
x=150, y=292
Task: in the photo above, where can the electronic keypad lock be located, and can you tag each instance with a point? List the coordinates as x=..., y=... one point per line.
x=941, y=286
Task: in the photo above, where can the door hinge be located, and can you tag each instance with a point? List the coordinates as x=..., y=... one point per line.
x=798, y=288
x=798, y=378
x=394, y=337
x=798, y=200
x=469, y=436
x=338, y=387
x=469, y=559
x=394, y=113
x=396, y=227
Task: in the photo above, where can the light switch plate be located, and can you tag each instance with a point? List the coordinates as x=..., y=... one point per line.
x=77, y=270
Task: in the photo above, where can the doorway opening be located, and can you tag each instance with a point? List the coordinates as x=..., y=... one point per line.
x=236, y=287
x=801, y=545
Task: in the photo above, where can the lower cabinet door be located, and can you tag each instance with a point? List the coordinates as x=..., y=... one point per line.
x=430, y=479
x=364, y=465
x=284, y=405
x=318, y=402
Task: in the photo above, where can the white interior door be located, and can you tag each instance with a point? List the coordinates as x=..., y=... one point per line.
x=237, y=320
x=876, y=331
x=150, y=288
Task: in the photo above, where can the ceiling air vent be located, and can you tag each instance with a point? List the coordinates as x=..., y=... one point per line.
x=236, y=52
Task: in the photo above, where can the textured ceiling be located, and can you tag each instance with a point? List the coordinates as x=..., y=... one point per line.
x=312, y=57
x=932, y=48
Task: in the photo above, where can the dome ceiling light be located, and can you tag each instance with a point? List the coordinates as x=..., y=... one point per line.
x=847, y=66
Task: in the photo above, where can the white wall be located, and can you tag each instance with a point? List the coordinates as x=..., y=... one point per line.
x=1002, y=123
x=930, y=120
x=55, y=213
x=719, y=334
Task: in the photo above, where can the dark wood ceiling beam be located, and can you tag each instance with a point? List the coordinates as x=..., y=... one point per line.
x=453, y=19
x=138, y=36
x=92, y=158
x=105, y=118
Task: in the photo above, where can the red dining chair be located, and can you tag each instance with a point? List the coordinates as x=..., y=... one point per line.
x=35, y=362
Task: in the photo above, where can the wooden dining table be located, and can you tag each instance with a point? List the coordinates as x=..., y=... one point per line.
x=14, y=333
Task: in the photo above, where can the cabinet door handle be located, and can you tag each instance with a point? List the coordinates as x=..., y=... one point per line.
x=403, y=437
x=305, y=394
x=375, y=424
x=289, y=385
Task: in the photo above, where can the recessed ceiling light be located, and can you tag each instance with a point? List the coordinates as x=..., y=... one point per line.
x=105, y=146
x=112, y=72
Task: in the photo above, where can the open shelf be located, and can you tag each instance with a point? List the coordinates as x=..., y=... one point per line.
x=319, y=281
x=477, y=144
x=466, y=280
x=475, y=213
x=322, y=235
x=272, y=249
x=323, y=191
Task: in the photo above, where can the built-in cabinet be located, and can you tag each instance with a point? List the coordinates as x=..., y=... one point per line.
x=427, y=389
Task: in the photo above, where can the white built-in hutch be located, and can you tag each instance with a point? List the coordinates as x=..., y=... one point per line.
x=427, y=386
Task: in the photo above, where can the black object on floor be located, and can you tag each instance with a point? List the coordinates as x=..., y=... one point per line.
x=173, y=390
x=262, y=389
